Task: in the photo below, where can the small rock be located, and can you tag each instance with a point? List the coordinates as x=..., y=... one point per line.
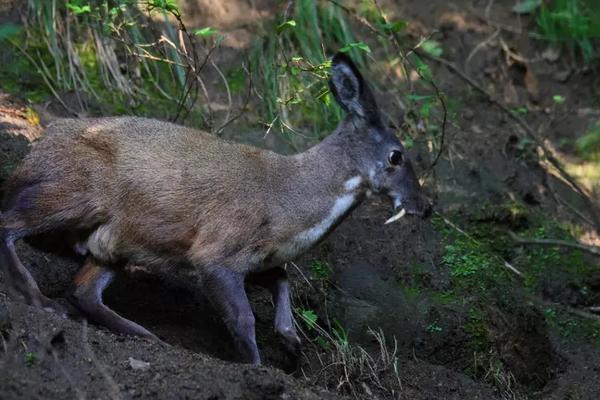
x=551, y=54
x=468, y=114
x=561, y=76
x=138, y=365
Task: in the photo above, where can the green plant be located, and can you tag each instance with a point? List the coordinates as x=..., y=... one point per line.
x=114, y=53
x=309, y=317
x=434, y=328
x=290, y=68
x=30, y=358
x=320, y=269
x=573, y=24
x=347, y=367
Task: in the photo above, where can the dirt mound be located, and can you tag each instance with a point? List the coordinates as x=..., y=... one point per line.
x=49, y=357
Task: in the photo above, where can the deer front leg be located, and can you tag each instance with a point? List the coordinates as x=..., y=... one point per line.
x=276, y=281
x=284, y=319
x=227, y=293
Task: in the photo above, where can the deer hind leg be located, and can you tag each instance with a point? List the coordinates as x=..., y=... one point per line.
x=29, y=214
x=90, y=282
x=18, y=278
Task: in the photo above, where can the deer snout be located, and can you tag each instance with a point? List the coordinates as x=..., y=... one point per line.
x=419, y=206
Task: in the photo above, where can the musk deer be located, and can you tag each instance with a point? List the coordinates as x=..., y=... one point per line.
x=157, y=194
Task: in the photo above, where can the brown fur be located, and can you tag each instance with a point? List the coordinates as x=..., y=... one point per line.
x=87, y=274
x=169, y=193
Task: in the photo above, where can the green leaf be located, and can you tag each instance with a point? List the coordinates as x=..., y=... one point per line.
x=320, y=269
x=418, y=97
x=356, y=45
x=421, y=68
x=527, y=6
x=165, y=5
x=30, y=358
x=432, y=48
x=558, y=99
x=409, y=143
x=205, y=32
x=309, y=317
x=77, y=9
x=394, y=27
x=8, y=30
x=286, y=25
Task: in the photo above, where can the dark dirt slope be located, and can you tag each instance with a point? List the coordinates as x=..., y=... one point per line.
x=47, y=356
x=52, y=358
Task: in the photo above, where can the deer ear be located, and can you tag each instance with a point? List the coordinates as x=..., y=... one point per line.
x=349, y=88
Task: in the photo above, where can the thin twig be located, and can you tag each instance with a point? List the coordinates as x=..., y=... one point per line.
x=555, y=242
x=244, y=105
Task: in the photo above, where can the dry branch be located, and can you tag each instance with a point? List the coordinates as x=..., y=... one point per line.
x=555, y=242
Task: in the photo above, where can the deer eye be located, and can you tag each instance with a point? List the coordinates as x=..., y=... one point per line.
x=395, y=157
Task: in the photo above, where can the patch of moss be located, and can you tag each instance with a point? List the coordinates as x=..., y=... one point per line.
x=473, y=266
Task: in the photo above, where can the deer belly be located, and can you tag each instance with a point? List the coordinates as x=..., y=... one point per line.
x=102, y=243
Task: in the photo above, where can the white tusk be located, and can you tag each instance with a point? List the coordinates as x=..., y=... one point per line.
x=396, y=217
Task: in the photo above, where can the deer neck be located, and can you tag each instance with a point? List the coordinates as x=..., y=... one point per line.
x=327, y=186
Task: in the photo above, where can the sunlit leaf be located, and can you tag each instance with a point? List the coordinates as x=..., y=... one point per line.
x=356, y=45
x=422, y=69
x=309, y=317
x=205, y=32
x=79, y=9
x=432, y=48
x=558, y=99
x=286, y=25
x=165, y=5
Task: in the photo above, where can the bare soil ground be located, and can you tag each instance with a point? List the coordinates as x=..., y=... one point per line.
x=48, y=357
